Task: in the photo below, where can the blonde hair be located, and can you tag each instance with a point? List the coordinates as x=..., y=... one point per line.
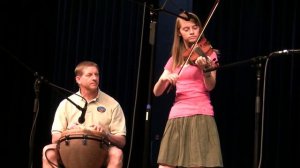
x=178, y=45
x=79, y=68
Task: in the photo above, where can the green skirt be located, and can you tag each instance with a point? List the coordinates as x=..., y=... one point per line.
x=191, y=142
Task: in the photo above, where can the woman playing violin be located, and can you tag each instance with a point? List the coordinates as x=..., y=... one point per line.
x=190, y=137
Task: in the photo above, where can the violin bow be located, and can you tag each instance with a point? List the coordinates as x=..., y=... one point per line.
x=199, y=37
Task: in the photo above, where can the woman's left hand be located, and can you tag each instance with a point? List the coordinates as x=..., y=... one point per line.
x=203, y=62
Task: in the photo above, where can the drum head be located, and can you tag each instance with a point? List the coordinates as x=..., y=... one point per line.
x=82, y=149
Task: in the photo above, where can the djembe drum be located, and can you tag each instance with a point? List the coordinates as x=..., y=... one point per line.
x=82, y=148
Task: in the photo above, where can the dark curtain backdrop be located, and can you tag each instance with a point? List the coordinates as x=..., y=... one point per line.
x=49, y=38
x=244, y=31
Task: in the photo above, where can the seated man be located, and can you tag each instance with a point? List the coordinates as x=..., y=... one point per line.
x=104, y=115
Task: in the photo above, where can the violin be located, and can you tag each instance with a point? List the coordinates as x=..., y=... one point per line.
x=203, y=49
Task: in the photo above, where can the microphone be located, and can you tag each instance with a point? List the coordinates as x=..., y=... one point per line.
x=188, y=15
x=81, y=119
x=291, y=51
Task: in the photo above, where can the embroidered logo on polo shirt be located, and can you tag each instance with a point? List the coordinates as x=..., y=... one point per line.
x=101, y=109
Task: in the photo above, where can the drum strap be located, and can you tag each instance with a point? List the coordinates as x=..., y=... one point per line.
x=53, y=165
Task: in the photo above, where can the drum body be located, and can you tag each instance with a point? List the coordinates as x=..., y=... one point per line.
x=82, y=149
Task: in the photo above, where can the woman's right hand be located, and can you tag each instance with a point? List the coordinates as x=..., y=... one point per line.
x=164, y=81
x=169, y=77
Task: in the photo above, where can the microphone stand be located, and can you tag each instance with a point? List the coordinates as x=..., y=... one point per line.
x=153, y=15
x=257, y=113
x=258, y=62
x=36, y=103
x=37, y=83
x=81, y=119
x=154, y=12
x=258, y=107
x=146, y=159
x=171, y=13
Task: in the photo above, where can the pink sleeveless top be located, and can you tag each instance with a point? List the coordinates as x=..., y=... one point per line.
x=192, y=97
